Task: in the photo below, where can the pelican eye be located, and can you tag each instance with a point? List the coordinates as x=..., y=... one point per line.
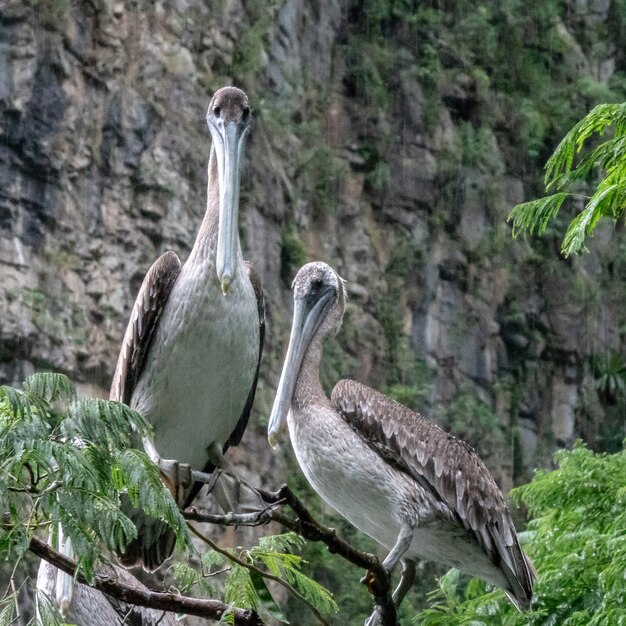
x=245, y=113
x=316, y=285
x=217, y=110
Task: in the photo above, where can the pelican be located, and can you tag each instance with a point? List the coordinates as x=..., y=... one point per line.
x=189, y=361
x=397, y=477
x=92, y=607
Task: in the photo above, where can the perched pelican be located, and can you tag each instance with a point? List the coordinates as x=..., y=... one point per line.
x=396, y=476
x=91, y=607
x=189, y=361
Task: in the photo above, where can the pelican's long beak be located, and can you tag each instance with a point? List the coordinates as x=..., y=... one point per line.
x=229, y=139
x=308, y=314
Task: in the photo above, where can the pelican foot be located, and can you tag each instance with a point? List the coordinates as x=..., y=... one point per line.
x=177, y=477
x=376, y=586
x=374, y=619
x=369, y=580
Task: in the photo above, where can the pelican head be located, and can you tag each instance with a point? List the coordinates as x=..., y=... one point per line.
x=228, y=118
x=319, y=295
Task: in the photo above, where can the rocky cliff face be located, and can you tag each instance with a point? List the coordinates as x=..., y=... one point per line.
x=390, y=144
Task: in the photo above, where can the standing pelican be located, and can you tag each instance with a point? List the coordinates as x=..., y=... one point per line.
x=189, y=361
x=396, y=476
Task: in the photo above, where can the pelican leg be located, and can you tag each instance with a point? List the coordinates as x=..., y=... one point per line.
x=226, y=486
x=176, y=475
x=232, y=493
x=374, y=619
x=407, y=578
x=402, y=544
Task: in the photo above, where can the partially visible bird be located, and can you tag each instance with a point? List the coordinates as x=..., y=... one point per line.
x=90, y=607
x=189, y=361
x=417, y=490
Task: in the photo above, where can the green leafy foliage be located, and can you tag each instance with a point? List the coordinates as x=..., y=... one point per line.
x=275, y=554
x=577, y=540
x=322, y=173
x=69, y=461
x=47, y=611
x=474, y=422
x=240, y=590
x=609, y=371
x=7, y=616
x=564, y=171
x=293, y=254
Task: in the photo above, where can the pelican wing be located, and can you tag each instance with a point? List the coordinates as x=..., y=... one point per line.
x=150, y=302
x=237, y=434
x=447, y=467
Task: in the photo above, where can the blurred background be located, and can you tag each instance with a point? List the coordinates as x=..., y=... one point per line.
x=391, y=139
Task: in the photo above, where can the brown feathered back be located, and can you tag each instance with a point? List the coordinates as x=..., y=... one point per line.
x=446, y=466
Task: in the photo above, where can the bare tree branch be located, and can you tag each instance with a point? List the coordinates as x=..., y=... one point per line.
x=211, y=609
x=257, y=518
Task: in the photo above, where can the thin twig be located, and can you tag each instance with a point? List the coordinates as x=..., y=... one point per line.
x=18, y=617
x=253, y=568
x=257, y=518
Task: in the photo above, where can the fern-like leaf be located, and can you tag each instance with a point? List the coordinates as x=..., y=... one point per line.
x=596, y=121
x=239, y=590
x=47, y=612
x=228, y=617
x=562, y=173
x=211, y=559
x=286, y=542
x=103, y=421
x=138, y=470
x=584, y=223
x=7, y=616
x=288, y=566
x=536, y=214
x=50, y=386
x=275, y=552
x=187, y=578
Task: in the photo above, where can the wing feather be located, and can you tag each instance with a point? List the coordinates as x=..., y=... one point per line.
x=156, y=540
x=237, y=434
x=449, y=468
x=152, y=297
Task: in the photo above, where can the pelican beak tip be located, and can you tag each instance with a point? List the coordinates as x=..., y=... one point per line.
x=272, y=440
x=226, y=282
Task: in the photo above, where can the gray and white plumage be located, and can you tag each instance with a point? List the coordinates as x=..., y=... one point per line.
x=90, y=607
x=396, y=476
x=190, y=357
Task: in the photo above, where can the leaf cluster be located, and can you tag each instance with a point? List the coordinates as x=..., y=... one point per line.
x=274, y=559
x=68, y=461
x=566, y=173
x=577, y=540
x=275, y=554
